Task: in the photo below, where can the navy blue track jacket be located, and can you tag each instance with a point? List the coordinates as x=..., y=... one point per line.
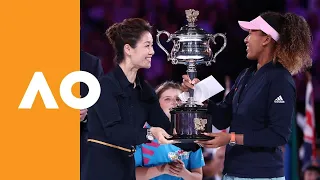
x=260, y=106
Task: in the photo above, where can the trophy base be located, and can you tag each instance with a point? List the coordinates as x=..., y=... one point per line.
x=190, y=138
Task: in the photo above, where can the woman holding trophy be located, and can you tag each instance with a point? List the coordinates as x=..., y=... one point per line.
x=126, y=103
x=261, y=104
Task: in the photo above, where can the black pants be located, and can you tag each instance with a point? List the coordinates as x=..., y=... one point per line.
x=104, y=163
x=83, y=143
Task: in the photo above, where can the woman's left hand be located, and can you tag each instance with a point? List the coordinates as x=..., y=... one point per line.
x=220, y=139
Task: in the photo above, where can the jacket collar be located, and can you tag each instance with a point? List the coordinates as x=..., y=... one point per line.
x=123, y=80
x=252, y=71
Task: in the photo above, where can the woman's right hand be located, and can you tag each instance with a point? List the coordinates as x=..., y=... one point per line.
x=187, y=83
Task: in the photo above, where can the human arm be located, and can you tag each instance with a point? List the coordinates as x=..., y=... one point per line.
x=280, y=114
x=196, y=161
x=178, y=169
x=281, y=107
x=222, y=111
x=117, y=130
x=146, y=173
x=157, y=118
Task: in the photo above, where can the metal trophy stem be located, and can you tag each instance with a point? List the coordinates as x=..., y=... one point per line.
x=192, y=73
x=191, y=47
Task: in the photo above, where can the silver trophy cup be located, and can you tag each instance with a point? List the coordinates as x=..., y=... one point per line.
x=191, y=47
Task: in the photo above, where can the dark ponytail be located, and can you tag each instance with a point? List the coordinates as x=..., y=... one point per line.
x=294, y=47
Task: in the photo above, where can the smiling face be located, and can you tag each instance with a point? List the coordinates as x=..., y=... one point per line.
x=140, y=56
x=254, y=42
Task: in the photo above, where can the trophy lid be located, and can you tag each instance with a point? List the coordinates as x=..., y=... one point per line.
x=191, y=29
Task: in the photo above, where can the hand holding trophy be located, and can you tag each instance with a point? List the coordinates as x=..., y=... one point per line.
x=191, y=47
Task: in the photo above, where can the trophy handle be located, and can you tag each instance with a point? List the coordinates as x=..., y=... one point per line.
x=212, y=38
x=159, y=44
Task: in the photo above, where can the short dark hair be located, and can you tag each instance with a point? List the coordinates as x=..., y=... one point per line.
x=313, y=168
x=129, y=31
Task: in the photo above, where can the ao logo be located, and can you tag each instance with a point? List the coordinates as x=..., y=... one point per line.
x=39, y=83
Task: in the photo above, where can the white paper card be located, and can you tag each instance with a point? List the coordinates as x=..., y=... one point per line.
x=206, y=89
x=184, y=96
x=203, y=90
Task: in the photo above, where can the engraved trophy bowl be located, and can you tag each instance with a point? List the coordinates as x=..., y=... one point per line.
x=191, y=47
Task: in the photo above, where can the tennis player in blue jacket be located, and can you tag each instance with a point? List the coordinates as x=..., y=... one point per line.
x=261, y=104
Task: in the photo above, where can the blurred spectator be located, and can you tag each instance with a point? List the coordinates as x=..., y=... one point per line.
x=214, y=159
x=311, y=173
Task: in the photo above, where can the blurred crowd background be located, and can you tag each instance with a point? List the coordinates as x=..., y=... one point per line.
x=216, y=16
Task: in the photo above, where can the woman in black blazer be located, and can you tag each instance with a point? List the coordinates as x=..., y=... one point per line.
x=126, y=103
